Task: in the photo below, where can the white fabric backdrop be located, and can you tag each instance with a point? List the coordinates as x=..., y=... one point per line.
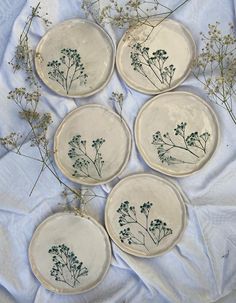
x=201, y=268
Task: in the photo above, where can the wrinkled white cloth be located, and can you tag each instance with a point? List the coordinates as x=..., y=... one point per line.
x=201, y=268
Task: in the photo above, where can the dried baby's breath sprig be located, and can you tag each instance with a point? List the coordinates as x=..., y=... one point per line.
x=83, y=196
x=129, y=14
x=27, y=102
x=38, y=124
x=118, y=98
x=23, y=57
x=215, y=66
x=11, y=141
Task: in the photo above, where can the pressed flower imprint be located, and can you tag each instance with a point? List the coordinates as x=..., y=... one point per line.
x=194, y=144
x=86, y=164
x=152, y=66
x=67, y=268
x=155, y=231
x=67, y=69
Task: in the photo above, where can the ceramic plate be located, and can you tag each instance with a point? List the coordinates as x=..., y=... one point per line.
x=157, y=63
x=92, y=145
x=145, y=215
x=176, y=133
x=75, y=58
x=69, y=254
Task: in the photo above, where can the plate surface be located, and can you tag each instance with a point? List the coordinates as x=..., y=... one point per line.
x=145, y=215
x=155, y=61
x=176, y=133
x=64, y=259
x=75, y=58
x=92, y=145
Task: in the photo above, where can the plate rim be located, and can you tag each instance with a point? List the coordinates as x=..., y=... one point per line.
x=215, y=118
x=182, y=201
x=129, y=147
x=107, y=35
x=34, y=269
x=148, y=92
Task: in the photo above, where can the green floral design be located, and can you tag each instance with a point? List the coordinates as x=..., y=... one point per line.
x=67, y=69
x=194, y=144
x=67, y=268
x=154, y=64
x=83, y=160
x=156, y=230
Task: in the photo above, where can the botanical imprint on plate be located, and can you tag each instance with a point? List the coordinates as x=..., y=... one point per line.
x=86, y=164
x=193, y=145
x=139, y=231
x=152, y=66
x=68, y=69
x=66, y=266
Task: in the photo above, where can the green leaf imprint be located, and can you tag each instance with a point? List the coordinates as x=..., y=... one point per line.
x=67, y=69
x=83, y=160
x=154, y=65
x=67, y=268
x=194, y=144
x=156, y=230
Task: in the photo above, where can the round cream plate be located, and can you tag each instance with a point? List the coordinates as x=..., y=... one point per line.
x=176, y=133
x=75, y=58
x=69, y=254
x=92, y=145
x=155, y=60
x=145, y=215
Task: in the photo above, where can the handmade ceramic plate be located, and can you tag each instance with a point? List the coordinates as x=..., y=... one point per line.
x=75, y=58
x=92, y=145
x=176, y=133
x=155, y=60
x=145, y=215
x=69, y=254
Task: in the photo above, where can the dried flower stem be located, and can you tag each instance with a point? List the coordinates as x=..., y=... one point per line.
x=23, y=57
x=118, y=98
x=27, y=103
x=131, y=14
x=215, y=67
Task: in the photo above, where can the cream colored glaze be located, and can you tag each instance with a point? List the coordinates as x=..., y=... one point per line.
x=168, y=205
x=71, y=230
x=95, y=47
x=163, y=113
x=92, y=122
x=169, y=35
